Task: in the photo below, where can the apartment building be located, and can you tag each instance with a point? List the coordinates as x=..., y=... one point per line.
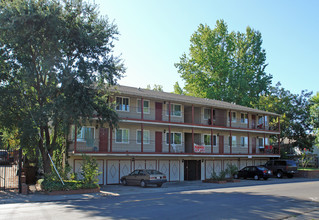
x=187, y=138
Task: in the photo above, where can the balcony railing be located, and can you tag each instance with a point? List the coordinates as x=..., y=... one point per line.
x=221, y=120
x=155, y=147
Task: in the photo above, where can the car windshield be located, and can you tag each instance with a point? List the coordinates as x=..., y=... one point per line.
x=262, y=168
x=152, y=172
x=3, y=153
x=291, y=163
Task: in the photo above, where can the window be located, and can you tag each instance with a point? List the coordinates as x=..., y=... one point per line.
x=84, y=134
x=233, y=117
x=266, y=120
x=176, y=138
x=244, y=118
x=266, y=141
x=135, y=172
x=260, y=142
x=146, y=136
x=207, y=139
x=244, y=141
x=176, y=109
x=121, y=135
x=122, y=104
x=207, y=113
x=234, y=141
x=146, y=106
x=260, y=120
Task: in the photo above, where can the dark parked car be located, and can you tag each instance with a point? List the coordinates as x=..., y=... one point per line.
x=144, y=177
x=255, y=172
x=4, y=157
x=282, y=167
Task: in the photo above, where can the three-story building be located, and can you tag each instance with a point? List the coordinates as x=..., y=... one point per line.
x=185, y=137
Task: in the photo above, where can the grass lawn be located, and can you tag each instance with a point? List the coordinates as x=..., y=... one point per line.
x=308, y=168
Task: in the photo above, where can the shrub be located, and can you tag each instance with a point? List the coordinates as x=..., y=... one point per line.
x=52, y=182
x=73, y=176
x=90, y=170
x=68, y=185
x=231, y=170
x=221, y=176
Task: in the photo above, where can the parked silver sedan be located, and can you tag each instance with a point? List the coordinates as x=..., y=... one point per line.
x=144, y=177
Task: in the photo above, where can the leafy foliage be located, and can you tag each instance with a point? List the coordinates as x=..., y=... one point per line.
x=305, y=158
x=314, y=114
x=178, y=90
x=295, y=123
x=68, y=185
x=231, y=170
x=225, y=66
x=220, y=176
x=52, y=182
x=156, y=87
x=55, y=62
x=90, y=170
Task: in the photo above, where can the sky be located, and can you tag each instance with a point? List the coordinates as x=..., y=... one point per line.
x=155, y=34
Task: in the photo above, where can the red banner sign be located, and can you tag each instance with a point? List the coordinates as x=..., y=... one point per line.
x=199, y=149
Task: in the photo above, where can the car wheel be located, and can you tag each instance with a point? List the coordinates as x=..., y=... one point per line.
x=265, y=178
x=236, y=176
x=143, y=183
x=279, y=174
x=124, y=182
x=256, y=177
x=290, y=175
x=159, y=185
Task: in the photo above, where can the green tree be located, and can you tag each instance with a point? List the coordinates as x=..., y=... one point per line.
x=178, y=90
x=314, y=112
x=225, y=66
x=56, y=65
x=295, y=123
x=156, y=87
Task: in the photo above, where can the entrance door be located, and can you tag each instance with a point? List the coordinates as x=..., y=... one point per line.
x=188, y=143
x=221, y=144
x=104, y=133
x=253, y=144
x=253, y=121
x=158, y=111
x=192, y=170
x=158, y=141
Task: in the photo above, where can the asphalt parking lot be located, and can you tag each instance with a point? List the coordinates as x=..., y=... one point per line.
x=193, y=185
x=245, y=187
x=120, y=190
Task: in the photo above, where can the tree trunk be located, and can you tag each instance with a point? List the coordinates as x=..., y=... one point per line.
x=45, y=158
x=46, y=164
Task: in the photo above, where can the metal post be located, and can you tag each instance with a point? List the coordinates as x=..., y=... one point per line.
x=193, y=140
x=248, y=143
x=211, y=141
x=20, y=169
x=142, y=128
x=230, y=143
x=75, y=137
x=169, y=138
x=142, y=137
